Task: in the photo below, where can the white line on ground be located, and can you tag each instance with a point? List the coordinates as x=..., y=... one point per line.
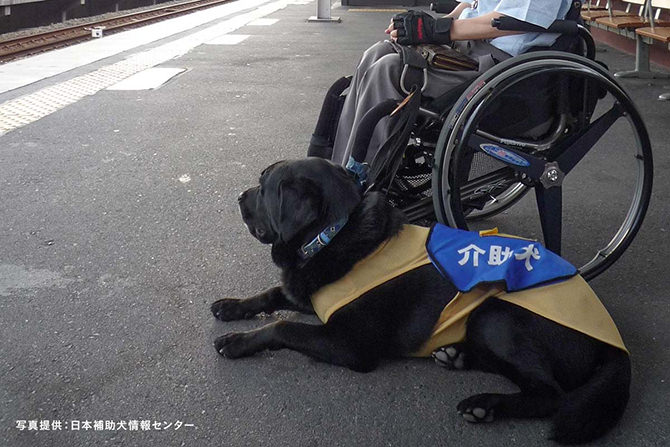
x=263, y=22
x=147, y=79
x=29, y=108
x=26, y=71
x=228, y=39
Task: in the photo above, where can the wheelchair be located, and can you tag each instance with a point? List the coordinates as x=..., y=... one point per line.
x=554, y=121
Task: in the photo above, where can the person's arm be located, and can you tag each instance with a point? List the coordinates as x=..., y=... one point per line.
x=456, y=12
x=468, y=29
x=478, y=28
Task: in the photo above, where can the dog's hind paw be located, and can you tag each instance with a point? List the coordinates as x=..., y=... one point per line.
x=478, y=408
x=230, y=309
x=451, y=357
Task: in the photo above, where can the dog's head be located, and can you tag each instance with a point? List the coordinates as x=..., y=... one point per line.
x=297, y=199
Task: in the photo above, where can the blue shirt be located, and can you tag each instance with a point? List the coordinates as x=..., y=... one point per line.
x=538, y=12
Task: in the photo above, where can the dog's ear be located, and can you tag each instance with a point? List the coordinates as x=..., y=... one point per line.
x=299, y=205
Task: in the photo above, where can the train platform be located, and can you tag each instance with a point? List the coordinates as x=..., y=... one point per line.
x=120, y=163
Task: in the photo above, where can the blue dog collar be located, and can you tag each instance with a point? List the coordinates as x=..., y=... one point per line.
x=321, y=240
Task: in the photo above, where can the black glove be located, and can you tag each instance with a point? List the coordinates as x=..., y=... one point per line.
x=419, y=27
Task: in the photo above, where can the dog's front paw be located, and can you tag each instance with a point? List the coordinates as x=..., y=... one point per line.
x=229, y=309
x=451, y=357
x=478, y=408
x=234, y=345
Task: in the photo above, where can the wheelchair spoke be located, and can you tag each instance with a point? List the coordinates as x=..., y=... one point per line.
x=485, y=185
x=550, y=207
x=574, y=149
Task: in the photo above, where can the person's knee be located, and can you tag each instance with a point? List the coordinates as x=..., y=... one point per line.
x=375, y=52
x=389, y=61
x=388, y=67
x=380, y=48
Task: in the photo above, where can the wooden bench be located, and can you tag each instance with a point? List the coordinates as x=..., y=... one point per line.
x=626, y=26
x=592, y=6
x=657, y=31
x=590, y=15
x=626, y=23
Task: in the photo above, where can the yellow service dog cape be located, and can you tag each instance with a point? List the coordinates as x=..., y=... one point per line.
x=569, y=302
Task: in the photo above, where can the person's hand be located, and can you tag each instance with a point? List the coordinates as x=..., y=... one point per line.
x=413, y=27
x=392, y=31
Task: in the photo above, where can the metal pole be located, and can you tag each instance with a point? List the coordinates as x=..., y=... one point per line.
x=323, y=13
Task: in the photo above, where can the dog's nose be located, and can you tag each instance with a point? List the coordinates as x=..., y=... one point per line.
x=241, y=196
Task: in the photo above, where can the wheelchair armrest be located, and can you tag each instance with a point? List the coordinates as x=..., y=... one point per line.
x=567, y=27
x=443, y=6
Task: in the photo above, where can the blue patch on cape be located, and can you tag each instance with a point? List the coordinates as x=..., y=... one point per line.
x=468, y=259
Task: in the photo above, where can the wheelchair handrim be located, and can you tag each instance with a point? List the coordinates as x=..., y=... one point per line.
x=484, y=90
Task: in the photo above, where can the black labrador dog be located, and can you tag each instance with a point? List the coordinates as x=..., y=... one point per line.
x=580, y=381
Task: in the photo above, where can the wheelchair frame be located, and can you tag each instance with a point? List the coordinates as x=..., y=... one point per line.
x=528, y=164
x=545, y=174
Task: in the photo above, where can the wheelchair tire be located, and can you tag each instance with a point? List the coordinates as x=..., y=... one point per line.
x=459, y=193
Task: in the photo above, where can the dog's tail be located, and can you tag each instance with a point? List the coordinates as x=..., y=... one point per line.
x=589, y=411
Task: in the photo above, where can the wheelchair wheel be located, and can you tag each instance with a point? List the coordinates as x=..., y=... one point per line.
x=589, y=163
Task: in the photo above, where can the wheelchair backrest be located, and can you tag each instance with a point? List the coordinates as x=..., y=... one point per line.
x=540, y=100
x=565, y=42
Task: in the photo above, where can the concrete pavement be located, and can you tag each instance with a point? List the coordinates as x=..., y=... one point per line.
x=119, y=226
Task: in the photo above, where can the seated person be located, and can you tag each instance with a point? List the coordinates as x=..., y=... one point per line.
x=467, y=28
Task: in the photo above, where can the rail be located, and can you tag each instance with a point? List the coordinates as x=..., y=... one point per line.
x=38, y=43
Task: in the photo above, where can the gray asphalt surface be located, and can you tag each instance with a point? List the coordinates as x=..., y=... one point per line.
x=108, y=264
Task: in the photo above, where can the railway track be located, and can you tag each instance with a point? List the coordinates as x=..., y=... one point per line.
x=38, y=43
